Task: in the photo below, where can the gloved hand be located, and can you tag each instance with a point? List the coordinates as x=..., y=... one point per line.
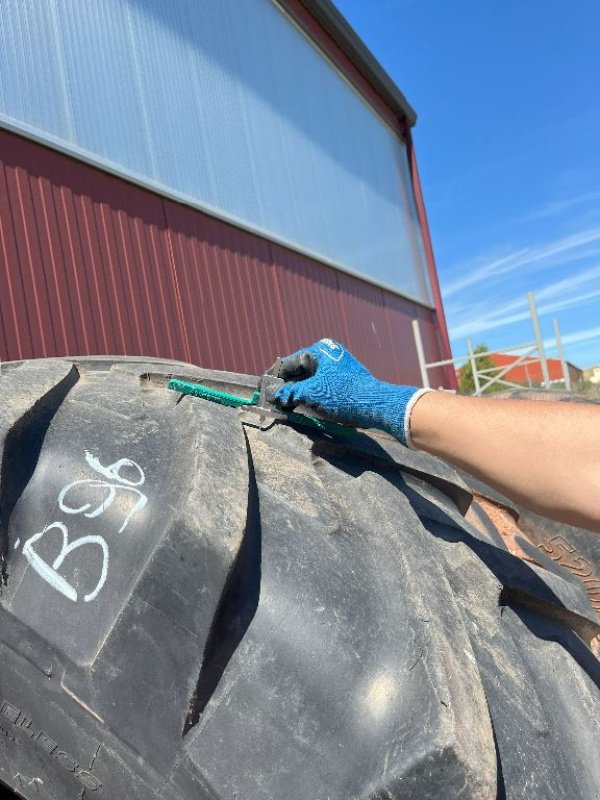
x=327, y=377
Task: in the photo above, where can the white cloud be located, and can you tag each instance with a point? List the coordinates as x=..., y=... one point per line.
x=558, y=207
x=568, y=284
x=551, y=298
x=586, y=335
x=580, y=347
x=586, y=350
x=551, y=254
x=489, y=323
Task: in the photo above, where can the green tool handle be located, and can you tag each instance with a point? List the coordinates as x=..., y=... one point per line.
x=234, y=401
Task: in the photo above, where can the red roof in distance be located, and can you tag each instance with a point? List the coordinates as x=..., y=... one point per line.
x=530, y=369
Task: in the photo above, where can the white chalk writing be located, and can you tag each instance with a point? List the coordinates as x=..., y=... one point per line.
x=116, y=481
x=113, y=473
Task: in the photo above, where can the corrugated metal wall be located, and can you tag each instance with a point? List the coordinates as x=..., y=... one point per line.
x=90, y=264
x=225, y=105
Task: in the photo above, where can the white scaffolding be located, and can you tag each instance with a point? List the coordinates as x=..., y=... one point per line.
x=484, y=378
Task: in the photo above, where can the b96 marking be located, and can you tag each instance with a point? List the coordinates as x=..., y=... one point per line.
x=112, y=482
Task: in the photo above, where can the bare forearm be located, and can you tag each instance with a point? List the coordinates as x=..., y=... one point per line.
x=544, y=455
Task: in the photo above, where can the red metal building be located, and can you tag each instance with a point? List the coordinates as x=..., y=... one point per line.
x=529, y=371
x=96, y=258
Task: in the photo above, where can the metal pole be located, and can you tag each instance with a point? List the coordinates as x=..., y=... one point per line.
x=420, y=353
x=474, y=367
x=535, y=321
x=561, y=355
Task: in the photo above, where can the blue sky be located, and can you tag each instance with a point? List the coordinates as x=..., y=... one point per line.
x=508, y=142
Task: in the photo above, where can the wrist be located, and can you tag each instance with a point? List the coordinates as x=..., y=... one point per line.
x=412, y=404
x=398, y=410
x=431, y=416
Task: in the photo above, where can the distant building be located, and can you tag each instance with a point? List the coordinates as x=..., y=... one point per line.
x=529, y=371
x=592, y=374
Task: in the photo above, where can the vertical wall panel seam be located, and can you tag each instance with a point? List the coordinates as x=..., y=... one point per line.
x=120, y=258
x=182, y=289
x=124, y=236
x=94, y=270
x=212, y=289
x=98, y=236
x=47, y=321
x=20, y=272
x=344, y=311
x=139, y=270
x=195, y=259
x=9, y=282
x=389, y=351
x=19, y=188
x=141, y=245
x=225, y=282
x=282, y=318
x=225, y=286
x=233, y=279
x=245, y=283
x=394, y=354
x=245, y=269
x=65, y=299
x=80, y=325
x=111, y=267
x=173, y=267
x=44, y=204
x=158, y=259
x=81, y=271
x=3, y=242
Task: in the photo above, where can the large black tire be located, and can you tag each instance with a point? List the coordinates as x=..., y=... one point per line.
x=574, y=550
x=237, y=613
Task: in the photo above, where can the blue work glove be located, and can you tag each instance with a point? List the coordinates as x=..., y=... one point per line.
x=327, y=377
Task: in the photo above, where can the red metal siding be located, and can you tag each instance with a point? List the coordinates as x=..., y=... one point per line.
x=400, y=313
x=227, y=292
x=432, y=344
x=92, y=264
x=367, y=325
x=85, y=262
x=309, y=299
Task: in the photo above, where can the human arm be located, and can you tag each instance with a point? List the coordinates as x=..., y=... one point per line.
x=544, y=455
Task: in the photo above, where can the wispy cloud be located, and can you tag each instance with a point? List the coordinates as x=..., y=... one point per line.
x=471, y=327
x=577, y=289
x=584, y=353
x=558, y=207
x=586, y=335
x=582, y=347
x=570, y=283
x=553, y=253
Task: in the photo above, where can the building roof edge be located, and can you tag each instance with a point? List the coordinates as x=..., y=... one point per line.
x=346, y=38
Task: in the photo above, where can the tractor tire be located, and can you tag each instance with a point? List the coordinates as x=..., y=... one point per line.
x=536, y=538
x=194, y=607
